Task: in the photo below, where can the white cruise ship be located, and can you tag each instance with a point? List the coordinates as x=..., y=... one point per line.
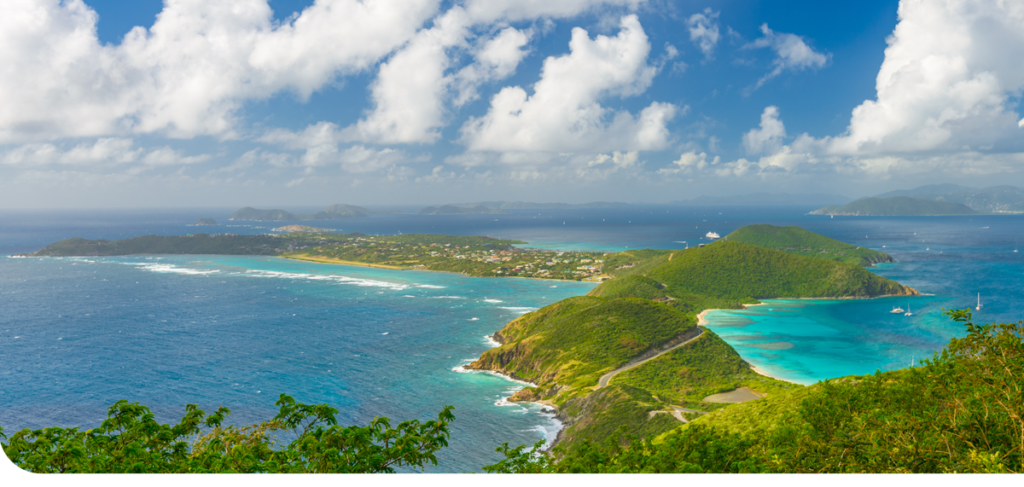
x=712, y=236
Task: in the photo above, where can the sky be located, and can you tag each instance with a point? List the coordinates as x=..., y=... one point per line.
x=285, y=103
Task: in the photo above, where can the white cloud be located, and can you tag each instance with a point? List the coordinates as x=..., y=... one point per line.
x=690, y=162
x=322, y=145
x=513, y=10
x=769, y=137
x=948, y=72
x=791, y=53
x=186, y=75
x=409, y=91
x=496, y=59
x=104, y=152
x=563, y=114
x=703, y=29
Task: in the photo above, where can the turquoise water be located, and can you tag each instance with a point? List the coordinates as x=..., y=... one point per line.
x=78, y=334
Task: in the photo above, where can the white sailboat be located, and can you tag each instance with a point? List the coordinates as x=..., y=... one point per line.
x=908, y=313
x=897, y=310
x=712, y=236
x=979, y=302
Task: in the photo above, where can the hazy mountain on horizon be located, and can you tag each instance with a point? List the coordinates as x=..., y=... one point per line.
x=767, y=199
x=526, y=205
x=995, y=199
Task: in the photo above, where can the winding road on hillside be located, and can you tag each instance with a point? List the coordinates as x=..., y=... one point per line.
x=606, y=378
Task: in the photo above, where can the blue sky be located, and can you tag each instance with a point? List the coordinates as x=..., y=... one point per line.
x=196, y=103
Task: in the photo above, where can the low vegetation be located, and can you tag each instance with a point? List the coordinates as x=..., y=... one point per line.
x=960, y=411
x=796, y=240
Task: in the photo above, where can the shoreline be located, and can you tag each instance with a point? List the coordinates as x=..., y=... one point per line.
x=323, y=260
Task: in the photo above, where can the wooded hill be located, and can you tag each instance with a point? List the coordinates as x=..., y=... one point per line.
x=796, y=240
x=646, y=310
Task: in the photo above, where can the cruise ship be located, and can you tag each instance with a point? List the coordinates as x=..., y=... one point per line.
x=712, y=236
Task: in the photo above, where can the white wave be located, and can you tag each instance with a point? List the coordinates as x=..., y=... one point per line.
x=463, y=370
x=493, y=301
x=408, y=296
x=171, y=268
x=325, y=277
x=429, y=286
x=474, y=319
x=491, y=341
x=449, y=297
x=519, y=309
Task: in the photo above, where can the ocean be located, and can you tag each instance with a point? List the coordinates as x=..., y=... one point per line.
x=77, y=334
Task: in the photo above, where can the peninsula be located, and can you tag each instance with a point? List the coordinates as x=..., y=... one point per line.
x=630, y=356
x=896, y=206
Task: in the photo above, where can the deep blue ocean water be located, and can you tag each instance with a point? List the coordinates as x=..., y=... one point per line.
x=77, y=334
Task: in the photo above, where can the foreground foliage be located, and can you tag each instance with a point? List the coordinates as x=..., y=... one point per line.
x=960, y=411
x=131, y=441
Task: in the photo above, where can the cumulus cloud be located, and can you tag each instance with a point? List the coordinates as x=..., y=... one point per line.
x=791, y=53
x=409, y=91
x=513, y=10
x=106, y=152
x=188, y=74
x=767, y=138
x=496, y=59
x=690, y=162
x=563, y=114
x=322, y=146
x=949, y=72
x=703, y=29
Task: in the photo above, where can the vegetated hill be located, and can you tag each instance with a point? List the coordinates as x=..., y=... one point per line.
x=735, y=270
x=646, y=310
x=332, y=212
x=996, y=199
x=796, y=240
x=205, y=221
x=766, y=199
x=574, y=341
x=153, y=244
x=896, y=206
x=459, y=210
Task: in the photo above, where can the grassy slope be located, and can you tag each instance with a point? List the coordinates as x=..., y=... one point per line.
x=696, y=370
x=794, y=240
x=734, y=270
x=573, y=342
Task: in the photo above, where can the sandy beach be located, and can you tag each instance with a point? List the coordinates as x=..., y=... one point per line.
x=327, y=260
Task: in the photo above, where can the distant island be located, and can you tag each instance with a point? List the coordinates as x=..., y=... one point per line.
x=460, y=210
x=996, y=199
x=896, y=206
x=331, y=213
x=205, y=221
x=765, y=199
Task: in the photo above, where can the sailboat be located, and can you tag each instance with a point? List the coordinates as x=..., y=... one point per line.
x=908, y=313
x=897, y=310
x=979, y=302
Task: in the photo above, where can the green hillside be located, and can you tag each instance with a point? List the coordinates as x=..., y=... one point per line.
x=734, y=270
x=574, y=341
x=796, y=240
x=896, y=206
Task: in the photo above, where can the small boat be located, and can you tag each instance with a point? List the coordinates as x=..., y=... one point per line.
x=897, y=310
x=979, y=302
x=908, y=313
x=711, y=236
